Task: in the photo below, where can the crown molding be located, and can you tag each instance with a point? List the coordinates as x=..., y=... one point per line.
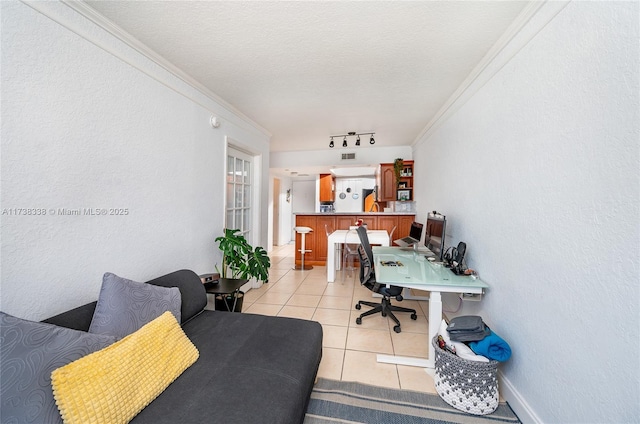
x=531, y=20
x=232, y=112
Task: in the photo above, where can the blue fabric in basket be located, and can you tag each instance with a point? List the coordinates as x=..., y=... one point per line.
x=492, y=347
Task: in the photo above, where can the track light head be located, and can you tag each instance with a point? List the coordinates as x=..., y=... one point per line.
x=344, y=142
x=331, y=143
x=371, y=140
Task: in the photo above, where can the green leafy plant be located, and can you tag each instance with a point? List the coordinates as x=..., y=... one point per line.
x=398, y=165
x=240, y=259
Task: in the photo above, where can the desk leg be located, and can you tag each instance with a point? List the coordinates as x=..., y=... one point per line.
x=435, y=317
x=331, y=262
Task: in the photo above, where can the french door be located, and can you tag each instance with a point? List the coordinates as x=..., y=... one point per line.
x=239, y=192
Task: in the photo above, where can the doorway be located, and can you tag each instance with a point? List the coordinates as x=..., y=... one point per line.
x=276, y=211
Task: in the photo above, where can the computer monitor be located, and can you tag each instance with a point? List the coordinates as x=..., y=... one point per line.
x=435, y=233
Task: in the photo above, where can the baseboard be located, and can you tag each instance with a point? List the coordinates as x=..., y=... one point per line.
x=516, y=401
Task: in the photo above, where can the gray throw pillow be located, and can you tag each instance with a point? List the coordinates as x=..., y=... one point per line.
x=124, y=306
x=30, y=352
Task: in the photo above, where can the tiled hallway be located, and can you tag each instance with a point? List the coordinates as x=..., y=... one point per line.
x=349, y=350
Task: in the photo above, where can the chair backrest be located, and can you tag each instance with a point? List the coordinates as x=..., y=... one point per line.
x=349, y=247
x=365, y=253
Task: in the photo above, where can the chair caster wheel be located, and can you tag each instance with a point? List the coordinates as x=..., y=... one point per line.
x=358, y=320
x=414, y=317
x=397, y=329
x=358, y=306
x=384, y=315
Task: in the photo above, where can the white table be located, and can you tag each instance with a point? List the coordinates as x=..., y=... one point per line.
x=418, y=273
x=380, y=237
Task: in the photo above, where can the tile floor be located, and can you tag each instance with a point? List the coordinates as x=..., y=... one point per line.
x=349, y=350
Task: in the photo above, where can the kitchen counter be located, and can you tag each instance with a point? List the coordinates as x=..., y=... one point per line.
x=398, y=223
x=355, y=213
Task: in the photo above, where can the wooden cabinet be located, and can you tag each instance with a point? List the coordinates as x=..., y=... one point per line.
x=310, y=239
x=404, y=226
x=388, y=223
x=316, y=241
x=371, y=221
x=323, y=223
x=386, y=183
x=327, y=191
x=405, y=186
x=388, y=190
x=343, y=222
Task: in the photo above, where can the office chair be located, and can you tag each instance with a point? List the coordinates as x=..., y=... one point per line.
x=368, y=279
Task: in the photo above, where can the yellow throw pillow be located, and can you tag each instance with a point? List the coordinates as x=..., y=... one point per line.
x=114, y=384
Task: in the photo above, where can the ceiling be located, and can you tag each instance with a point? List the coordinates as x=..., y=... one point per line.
x=307, y=70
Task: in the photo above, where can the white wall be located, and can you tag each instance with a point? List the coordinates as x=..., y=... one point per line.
x=365, y=155
x=87, y=122
x=285, y=217
x=349, y=204
x=542, y=182
x=280, y=231
x=303, y=196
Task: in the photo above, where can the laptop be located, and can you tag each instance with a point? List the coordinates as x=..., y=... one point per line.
x=415, y=234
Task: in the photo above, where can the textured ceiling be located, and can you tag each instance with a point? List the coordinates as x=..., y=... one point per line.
x=306, y=70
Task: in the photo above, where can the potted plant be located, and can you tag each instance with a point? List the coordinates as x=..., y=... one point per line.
x=398, y=165
x=240, y=260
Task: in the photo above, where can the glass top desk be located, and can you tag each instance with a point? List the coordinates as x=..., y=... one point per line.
x=418, y=273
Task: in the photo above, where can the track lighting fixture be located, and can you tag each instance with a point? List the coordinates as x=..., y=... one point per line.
x=350, y=134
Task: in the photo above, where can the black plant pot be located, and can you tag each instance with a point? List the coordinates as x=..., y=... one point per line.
x=231, y=302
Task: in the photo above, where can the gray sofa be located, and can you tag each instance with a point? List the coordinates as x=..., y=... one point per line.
x=251, y=369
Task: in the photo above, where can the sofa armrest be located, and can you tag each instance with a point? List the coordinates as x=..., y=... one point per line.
x=76, y=319
x=192, y=291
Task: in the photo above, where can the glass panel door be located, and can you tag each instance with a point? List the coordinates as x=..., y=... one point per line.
x=239, y=169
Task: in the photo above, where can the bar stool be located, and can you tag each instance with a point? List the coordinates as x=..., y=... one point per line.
x=303, y=231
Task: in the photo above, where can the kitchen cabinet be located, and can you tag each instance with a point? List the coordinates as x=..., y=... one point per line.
x=404, y=225
x=388, y=190
x=405, y=186
x=310, y=221
x=327, y=188
x=388, y=223
x=343, y=222
x=371, y=221
x=386, y=183
x=316, y=241
x=323, y=222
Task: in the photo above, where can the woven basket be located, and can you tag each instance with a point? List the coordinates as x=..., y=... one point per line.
x=469, y=386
